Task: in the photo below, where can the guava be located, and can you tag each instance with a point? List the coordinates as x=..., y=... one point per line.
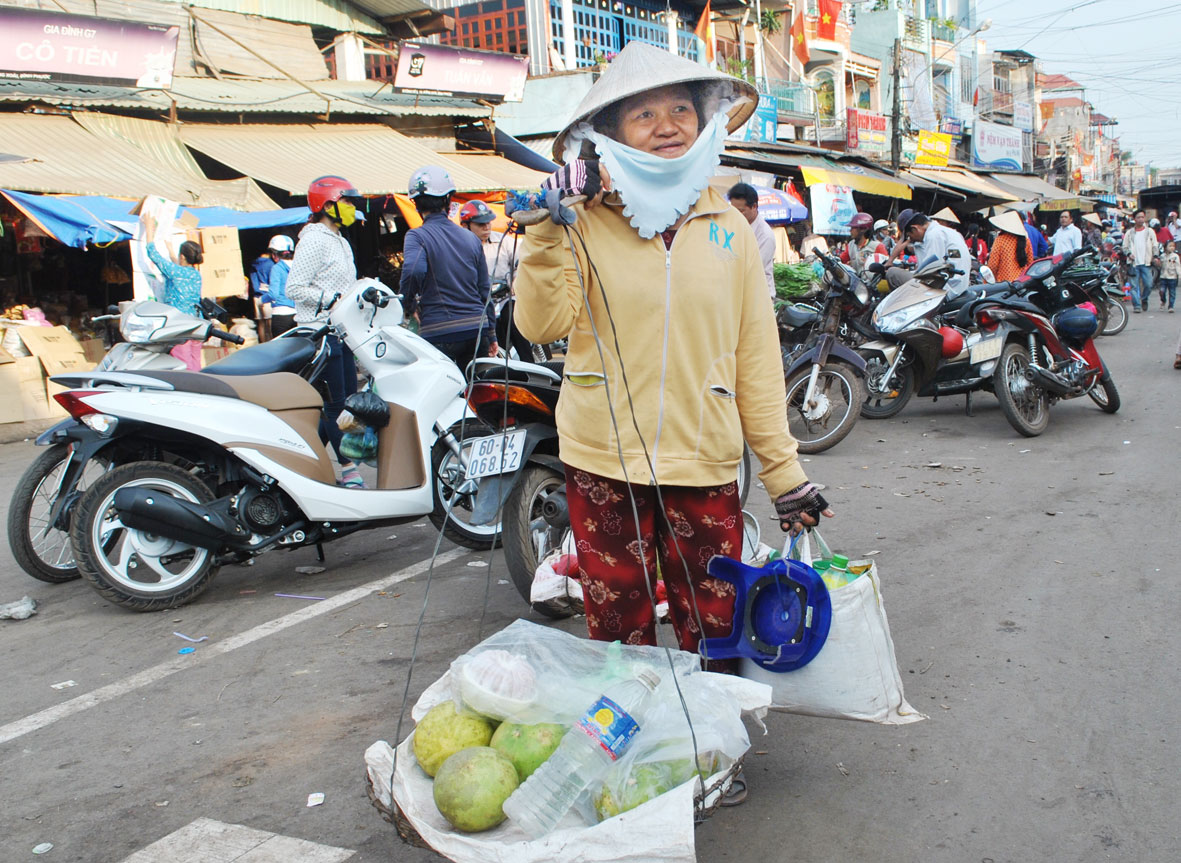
x=471, y=787
x=443, y=732
x=527, y=746
x=681, y=769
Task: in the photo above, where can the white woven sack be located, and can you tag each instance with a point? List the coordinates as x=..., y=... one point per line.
x=855, y=674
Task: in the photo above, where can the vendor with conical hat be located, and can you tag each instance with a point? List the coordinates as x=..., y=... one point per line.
x=673, y=354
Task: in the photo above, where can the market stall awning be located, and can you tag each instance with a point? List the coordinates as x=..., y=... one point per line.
x=816, y=169
x=160, y=143
x=376, y=159
x=76, y=220
x=499, y=169
x=64, y=157
x=1030, y=188
x=972, y=185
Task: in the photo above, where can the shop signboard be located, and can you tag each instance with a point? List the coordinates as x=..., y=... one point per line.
x=462, y=72
x=996, y=147
x=832, y=208
x=934, y=149
x=763, y=126
x=1023, y=116
x=866, y=131
x=36, y=45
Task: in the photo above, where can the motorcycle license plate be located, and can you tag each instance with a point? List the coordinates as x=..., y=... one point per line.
x=986, y=349
x=495, y=454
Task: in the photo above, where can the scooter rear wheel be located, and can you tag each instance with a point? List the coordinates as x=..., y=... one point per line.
x=528, y=537
x=130, y=567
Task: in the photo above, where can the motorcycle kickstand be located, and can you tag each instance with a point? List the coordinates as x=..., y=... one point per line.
x=968, y=404
x=319, y=552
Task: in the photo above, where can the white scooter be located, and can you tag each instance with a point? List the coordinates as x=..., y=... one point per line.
x=232, y=465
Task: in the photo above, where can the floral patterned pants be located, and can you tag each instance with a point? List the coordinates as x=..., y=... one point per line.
x=701, y=522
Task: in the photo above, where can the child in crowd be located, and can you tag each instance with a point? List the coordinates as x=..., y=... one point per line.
x=1169, y=273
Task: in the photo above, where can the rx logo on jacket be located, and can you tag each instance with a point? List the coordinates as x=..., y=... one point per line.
x=721, y=240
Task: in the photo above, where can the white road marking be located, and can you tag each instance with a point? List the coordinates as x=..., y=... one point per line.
x=42, y=718
x=209, y=841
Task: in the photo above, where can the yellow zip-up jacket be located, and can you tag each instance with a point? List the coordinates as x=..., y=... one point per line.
x=691, y=328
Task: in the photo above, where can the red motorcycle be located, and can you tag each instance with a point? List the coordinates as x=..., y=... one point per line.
x=1051, y=354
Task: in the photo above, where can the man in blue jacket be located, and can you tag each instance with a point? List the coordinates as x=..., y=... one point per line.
x=1041, y=247
x=445, y=275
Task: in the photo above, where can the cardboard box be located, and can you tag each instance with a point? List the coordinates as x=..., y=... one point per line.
x=94, y=350
x=53, y=346
x=31, y=390
x=54, y=350
x=11, y=409
x=211, y=355
x=6, y=357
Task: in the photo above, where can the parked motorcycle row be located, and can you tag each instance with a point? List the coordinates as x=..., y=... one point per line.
x=161, y=476
x=1029, y=342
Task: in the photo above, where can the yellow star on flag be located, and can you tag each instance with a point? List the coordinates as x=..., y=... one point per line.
x=800, y=38
x=826, y=18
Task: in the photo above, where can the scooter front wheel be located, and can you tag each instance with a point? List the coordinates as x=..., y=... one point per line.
x=130, y=567
x=1105, y=394
x=885, y=398
x=830, y=415
x=1117, y=317
x=457, y=512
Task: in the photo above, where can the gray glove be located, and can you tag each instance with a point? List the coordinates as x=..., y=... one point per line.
x=804, y=499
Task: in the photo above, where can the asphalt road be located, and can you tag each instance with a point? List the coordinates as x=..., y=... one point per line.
x=1031, y=587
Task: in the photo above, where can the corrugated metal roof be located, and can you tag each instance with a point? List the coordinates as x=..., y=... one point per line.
x=338, y=15
x=68, y=159
x=161, y=145
x=246, y=97
x=382, y=9
x=376, y=159
x=973, y=184
x=504, y=171
x=288, y=46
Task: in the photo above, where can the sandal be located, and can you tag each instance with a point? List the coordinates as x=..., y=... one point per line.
x=736, y=794
x=1177, y=362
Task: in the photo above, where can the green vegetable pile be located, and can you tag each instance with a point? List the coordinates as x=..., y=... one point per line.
x=793, y=280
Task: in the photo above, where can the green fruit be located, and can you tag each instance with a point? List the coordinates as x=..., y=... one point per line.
x=443, y=732
x=527, y=746
x=471, y=787
x=645, y=782
x=681, y=769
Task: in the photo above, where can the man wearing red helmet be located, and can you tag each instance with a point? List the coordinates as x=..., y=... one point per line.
x=859, y=252
x=321, y=268
x=445, y=275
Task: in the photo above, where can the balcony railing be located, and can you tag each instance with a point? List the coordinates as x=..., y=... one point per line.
x=793, y=96
x=942, y=31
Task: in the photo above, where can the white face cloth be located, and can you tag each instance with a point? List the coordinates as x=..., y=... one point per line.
x=656, y=191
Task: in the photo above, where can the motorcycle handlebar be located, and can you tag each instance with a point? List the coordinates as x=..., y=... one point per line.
x=225, y=337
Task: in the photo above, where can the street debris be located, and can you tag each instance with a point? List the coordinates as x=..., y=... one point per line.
x=188, y=638
x=298, y=596
x=309, y=570
x=22, y=609
x=43, y=848
x=477, y=563
x=315, y=799
x=185, y=651
x=841, y=767
x=65, y=684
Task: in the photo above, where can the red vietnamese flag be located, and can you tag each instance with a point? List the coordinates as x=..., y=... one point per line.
x=799, y=42
x=790, y=189
x=826, y=23
x=705, y=31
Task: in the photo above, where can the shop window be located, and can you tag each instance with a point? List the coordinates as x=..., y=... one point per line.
x=861, y=95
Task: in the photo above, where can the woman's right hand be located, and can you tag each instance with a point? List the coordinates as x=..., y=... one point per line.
x=585, y=178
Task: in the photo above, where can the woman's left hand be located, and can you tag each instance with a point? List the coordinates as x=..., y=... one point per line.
x=801, y=507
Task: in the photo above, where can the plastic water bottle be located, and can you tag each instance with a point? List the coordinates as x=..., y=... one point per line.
x=838, y=572
x=586, y=753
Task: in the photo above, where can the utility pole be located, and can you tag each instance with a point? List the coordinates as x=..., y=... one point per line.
x=896, y=113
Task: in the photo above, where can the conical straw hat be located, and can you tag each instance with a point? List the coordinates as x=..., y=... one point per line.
x=1094, y=219
x=640, y=67
x=946, y=215
x=1010, y=223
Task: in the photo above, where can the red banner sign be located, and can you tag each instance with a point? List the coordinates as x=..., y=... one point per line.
x=50, y=46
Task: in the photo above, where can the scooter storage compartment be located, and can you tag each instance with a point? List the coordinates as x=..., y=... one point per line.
x=399, y=463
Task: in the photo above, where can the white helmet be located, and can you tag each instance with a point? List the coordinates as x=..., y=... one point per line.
x=430, y=180
x=1154, y=223
x=880, y=225
x=281, y=243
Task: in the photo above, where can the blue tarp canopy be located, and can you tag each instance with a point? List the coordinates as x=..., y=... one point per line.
x=779, y=206
x=76, y=220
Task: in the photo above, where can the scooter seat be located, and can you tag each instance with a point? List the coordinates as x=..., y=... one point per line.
x=795, y=316
x=277, y=355
x=976, y=292
x=282, y=391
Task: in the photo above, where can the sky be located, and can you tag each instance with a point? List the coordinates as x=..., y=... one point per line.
x=1125, y=52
